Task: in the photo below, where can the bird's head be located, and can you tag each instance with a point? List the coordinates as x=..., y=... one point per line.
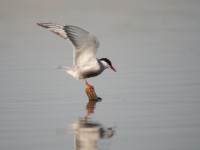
x=107, y=64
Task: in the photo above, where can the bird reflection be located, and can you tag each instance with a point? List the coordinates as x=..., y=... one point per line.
x=86, y=131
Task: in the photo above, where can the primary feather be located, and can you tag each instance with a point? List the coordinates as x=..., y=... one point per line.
x=84, y=44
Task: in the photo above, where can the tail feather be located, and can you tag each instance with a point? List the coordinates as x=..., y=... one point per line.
x=62, y=68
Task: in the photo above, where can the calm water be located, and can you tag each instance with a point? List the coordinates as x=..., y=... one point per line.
x=152, y=102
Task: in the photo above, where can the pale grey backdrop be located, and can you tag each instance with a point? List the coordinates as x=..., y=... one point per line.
x=153, y=99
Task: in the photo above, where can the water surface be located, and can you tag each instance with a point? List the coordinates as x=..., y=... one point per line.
x=153, y=100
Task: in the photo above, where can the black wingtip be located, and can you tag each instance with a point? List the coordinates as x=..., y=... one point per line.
x=39, y=24
x=44, y=25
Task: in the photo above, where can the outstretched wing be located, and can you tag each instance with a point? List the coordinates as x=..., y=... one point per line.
x=84, y=44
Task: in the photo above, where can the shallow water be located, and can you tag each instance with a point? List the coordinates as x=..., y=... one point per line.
x=153, y=101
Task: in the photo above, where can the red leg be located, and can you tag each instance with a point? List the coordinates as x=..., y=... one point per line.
x=88, y=86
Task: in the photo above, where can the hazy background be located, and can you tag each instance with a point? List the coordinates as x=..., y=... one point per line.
x=153, y=99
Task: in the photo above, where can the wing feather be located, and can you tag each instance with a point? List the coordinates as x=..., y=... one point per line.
x=84, y=44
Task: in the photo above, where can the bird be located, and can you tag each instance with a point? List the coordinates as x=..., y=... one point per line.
x=85, y=45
